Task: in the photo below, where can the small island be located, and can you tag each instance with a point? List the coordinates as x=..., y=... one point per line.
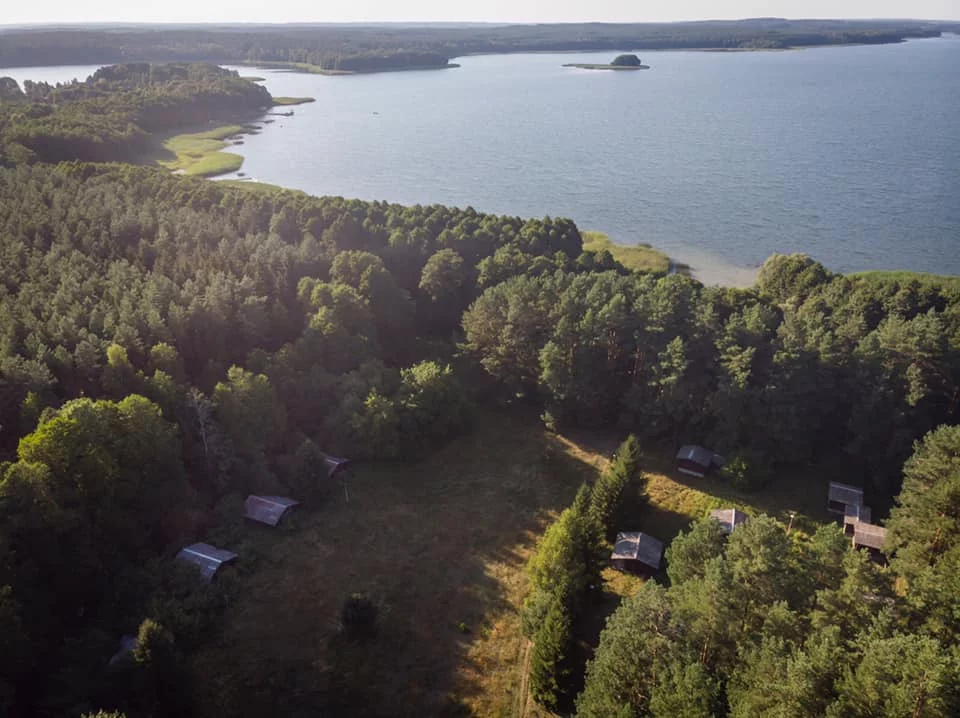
x=621, y=62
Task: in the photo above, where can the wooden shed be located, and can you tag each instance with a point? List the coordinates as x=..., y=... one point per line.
x=870, y=537
x=636, y=552
x=208, y=558
x=729, y=519
x=840, y=496
x=697, y=461
x=267, y=509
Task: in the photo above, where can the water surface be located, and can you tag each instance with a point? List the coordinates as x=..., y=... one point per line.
x=850, y=154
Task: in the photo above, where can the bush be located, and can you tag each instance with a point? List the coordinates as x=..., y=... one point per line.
x=358, y=616
x=745, y=472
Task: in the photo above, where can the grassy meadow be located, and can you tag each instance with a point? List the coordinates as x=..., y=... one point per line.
x=441, y=546
x=200, y=153
x=640, y=257
x=285, y=101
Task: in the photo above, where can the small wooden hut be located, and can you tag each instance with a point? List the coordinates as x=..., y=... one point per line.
x=697, y=461
x=637, y=552
x=729, y=519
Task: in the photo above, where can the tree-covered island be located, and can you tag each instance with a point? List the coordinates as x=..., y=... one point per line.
x=620, y=62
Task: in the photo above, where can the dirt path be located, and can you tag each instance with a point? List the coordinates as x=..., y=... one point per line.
x=524, y=682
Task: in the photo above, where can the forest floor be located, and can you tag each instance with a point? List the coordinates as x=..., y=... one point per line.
x=639, y=257
x=441, y=546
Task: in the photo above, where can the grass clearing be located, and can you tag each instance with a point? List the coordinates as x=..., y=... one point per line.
x=441, y=546
x=199, y=153
x=639, y=258
x=284, y=101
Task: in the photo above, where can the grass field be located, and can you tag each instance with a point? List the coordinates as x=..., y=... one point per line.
x=441, y=546
x=640, y=258
x=200, y=153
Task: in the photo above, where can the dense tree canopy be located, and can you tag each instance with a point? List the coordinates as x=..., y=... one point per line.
x=110, y=116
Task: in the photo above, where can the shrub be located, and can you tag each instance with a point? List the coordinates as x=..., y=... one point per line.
x=358, y=616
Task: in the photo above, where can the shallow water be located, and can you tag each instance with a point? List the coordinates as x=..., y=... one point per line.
x=850, y=154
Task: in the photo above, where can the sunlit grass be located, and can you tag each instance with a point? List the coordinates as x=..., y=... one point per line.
x=200, y=153
x=640, y=257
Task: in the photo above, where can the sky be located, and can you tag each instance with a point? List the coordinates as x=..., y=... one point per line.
x=71, y=11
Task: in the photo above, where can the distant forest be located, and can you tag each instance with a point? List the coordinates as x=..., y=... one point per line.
x=112, y=115
x=373, y=48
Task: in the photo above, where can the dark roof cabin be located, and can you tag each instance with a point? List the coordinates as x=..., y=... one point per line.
x=840, y=496
x=872, y=538
x=334, y=464
x=729, y=519
x=635, y=551
x=208, y=558
x=267, y=509
x=696, y=461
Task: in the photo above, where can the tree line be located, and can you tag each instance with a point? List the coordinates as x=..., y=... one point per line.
x=803, y=368
x=366, y=49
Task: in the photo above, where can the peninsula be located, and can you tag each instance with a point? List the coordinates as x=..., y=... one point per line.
x=620, y=62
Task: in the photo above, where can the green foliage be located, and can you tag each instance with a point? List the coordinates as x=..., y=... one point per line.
x=111, y=115
x=745, y=472
x=626, y=61
x=690, y=552
x=551, y=647
x=607, y=494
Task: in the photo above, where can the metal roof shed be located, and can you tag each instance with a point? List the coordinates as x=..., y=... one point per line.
x=729, y=519
x=634, y=547
x=128, y=645
x=208, y=558
x=334, y=464
x=267, y=509
x=696, y=461
x=840, y=496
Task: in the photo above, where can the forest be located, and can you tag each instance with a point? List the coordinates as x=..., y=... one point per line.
x=374, y=48
x=113, y=114
x=169, y=345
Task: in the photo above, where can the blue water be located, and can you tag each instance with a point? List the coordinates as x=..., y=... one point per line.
x=850, y=154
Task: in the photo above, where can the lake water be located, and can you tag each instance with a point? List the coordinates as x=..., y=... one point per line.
x=850, y=154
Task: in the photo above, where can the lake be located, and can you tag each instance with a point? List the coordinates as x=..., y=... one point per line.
x=850, y=154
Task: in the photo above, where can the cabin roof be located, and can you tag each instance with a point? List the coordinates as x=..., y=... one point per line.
x=128, y=644
x=845, y=494
x=729, y=518
x=334, y=464
x=637, y=546
x=208, y=558
x=869, y=536
x=697, y=454
x=267, y=509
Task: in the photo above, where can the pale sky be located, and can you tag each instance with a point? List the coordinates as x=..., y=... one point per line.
x=63, y=11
